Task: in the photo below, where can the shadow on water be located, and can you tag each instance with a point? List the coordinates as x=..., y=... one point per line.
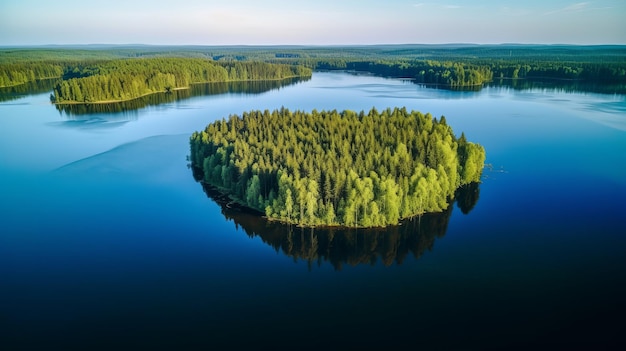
x=561, y=86
x=205, y=89
x=553, y=85
x=30, y=88
x=340, y=246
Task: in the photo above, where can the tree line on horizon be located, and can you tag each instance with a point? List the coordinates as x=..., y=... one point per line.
x=336, y=168
x=445, y=66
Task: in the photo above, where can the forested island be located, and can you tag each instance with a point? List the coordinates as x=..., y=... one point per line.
x=121, y=80
x=354, y=169
x=177, y=95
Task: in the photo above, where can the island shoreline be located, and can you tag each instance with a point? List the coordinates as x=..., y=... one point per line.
x=104, y=102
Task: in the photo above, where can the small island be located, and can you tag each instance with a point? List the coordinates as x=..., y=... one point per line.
x=330, y=168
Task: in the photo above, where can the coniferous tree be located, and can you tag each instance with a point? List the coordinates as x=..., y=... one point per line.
x=336, y=168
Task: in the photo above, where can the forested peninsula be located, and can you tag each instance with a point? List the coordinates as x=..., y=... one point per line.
x=356, y=169
x=120, y=80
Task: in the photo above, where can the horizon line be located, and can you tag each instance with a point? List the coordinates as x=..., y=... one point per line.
x=312, y=45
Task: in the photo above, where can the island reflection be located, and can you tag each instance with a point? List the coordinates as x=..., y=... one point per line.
x=558, y=86
x=31, y=88
x=553, y=85
x=340, y=246
x=203, y=89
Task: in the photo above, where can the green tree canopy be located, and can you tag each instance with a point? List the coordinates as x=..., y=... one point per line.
x=119, y=80
x=336, y=168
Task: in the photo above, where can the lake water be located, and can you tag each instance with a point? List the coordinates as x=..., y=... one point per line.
x=107, y=242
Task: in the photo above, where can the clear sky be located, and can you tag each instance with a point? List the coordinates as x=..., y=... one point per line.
x=311, y=22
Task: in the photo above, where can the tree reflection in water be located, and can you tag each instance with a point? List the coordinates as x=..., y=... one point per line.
x=352, y=246
x=31, y=88
x=243, y=87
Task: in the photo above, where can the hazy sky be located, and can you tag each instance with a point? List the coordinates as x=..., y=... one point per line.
x=318, y=22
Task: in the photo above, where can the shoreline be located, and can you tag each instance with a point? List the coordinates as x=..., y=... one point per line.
x=225, y=200
x=103, y=102
x=173, y=89
x=28, y=82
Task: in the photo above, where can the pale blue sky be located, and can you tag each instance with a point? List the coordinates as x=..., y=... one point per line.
x=318, y=22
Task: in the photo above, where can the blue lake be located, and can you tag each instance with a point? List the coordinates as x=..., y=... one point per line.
x=107, y=241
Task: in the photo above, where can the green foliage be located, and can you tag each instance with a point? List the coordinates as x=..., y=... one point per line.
x=474, y=73
x=336, y=168
x=19, y=73
x=447, y=73
x=453, y=66
x=254, y=87
x=119, y=80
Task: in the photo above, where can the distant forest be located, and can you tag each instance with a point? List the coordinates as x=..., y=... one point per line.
x=467, y=74
x=336, y=168
x=451, y=66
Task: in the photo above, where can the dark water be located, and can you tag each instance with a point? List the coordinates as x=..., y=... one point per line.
x=107, y=242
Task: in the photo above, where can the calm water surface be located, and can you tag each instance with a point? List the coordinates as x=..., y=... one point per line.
x=107, y=242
